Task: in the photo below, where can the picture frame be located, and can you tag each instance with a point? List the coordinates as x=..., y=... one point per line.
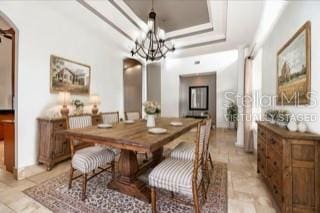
x=294, y=69
x=69, y=76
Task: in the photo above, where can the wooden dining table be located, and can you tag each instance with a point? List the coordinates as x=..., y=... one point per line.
x=130, y=139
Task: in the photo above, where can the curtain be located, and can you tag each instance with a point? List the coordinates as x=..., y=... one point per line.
x=247, y=105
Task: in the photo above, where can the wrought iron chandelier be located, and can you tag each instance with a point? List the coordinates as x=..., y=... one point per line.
x=152, y=45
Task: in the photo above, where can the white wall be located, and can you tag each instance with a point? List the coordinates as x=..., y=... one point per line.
x=224, y=63
x=67, y=29
x=294, y=16
x=5, y=69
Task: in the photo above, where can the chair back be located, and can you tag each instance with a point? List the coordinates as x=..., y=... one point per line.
x=132, y=115
x=110, y=117
x=207, y=139
x=199, y=150
x=75, y=122
x=79, y=121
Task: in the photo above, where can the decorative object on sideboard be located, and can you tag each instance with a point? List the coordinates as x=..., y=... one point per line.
x=68, y=75
x=271, y=115
x=151, y=108
x=292, y=125
x=302, y=126
x=283, y=118
x=232, y=115
x=78, y=104
x=95, y=100
x=294, y=68
x=64, y=100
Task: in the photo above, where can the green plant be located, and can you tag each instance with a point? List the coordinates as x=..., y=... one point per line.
x=283, y=116
x=77, y=103
x=232, y=112
x=271, y=114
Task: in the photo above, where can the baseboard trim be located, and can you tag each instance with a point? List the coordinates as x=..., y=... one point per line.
x=28, y=171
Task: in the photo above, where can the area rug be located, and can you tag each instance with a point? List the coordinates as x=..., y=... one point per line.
x=54, y=194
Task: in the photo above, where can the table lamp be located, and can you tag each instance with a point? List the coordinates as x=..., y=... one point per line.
x=64, y=100
x=95, y=100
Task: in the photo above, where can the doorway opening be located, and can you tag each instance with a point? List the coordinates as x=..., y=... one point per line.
x=198, y=94
x=132, y=85
x=7, y=96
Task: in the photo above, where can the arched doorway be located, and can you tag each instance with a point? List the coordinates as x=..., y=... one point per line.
x=8, y=130
x=132, y=85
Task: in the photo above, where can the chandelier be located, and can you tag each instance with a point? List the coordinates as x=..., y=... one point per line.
x=152, y=45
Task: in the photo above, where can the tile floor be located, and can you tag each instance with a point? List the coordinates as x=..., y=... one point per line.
x=246, y=191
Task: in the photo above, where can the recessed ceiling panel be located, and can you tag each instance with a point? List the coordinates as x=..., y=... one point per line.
x=172, y=14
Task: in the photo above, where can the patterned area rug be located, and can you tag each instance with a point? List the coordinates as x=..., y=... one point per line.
x=54, y=194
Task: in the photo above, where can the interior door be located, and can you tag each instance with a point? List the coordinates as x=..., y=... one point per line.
x=132, y=80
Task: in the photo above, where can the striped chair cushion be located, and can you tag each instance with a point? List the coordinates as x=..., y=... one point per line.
x=133, y=115
x=174, y=175
x=110, y=118
x=90, y=158
x=185, y=150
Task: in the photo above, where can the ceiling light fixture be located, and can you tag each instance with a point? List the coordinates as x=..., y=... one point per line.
x=152, y=45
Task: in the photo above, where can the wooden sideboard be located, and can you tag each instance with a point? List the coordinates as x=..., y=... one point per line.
x=290, y=165
x=53, y=146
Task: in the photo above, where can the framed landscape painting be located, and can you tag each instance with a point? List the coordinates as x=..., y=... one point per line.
x=69, y=76
x=294, y=69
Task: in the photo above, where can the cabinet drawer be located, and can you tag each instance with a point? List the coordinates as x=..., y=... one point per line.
x=262, y=147
x=262, y=164
x=274, y=160
x=262, y=133
x=275, y=142
x=96, y=119
x=59, y=125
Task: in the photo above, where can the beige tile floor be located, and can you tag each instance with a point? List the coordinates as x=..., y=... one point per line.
x=246, y=191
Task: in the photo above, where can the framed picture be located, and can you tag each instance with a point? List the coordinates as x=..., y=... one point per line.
x=69, y=76
x=294, y=69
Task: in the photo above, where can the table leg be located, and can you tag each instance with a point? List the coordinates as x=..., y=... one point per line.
x=127, y=181
x=157, y=155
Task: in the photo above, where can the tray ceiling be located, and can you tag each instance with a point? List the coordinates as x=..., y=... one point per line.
x=172, y=14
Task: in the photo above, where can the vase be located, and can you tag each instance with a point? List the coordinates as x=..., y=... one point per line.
x=302, y=127
x=151, y=121
x=292, y=126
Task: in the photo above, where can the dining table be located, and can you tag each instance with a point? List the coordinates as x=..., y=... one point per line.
x=133, y=138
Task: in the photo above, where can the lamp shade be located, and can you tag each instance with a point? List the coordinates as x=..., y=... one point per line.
x=64, y=98
x=95, y=99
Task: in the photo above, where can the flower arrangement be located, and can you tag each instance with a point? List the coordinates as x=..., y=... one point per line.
x=79, y=105
x=283, y=116
x=280, y=117
x=151, y=107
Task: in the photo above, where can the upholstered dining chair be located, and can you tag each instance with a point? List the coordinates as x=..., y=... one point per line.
x=185, y=150
x=110, y=117
x=180, y=176
x=132, y=116
x=135, y=116
x=86, y=157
